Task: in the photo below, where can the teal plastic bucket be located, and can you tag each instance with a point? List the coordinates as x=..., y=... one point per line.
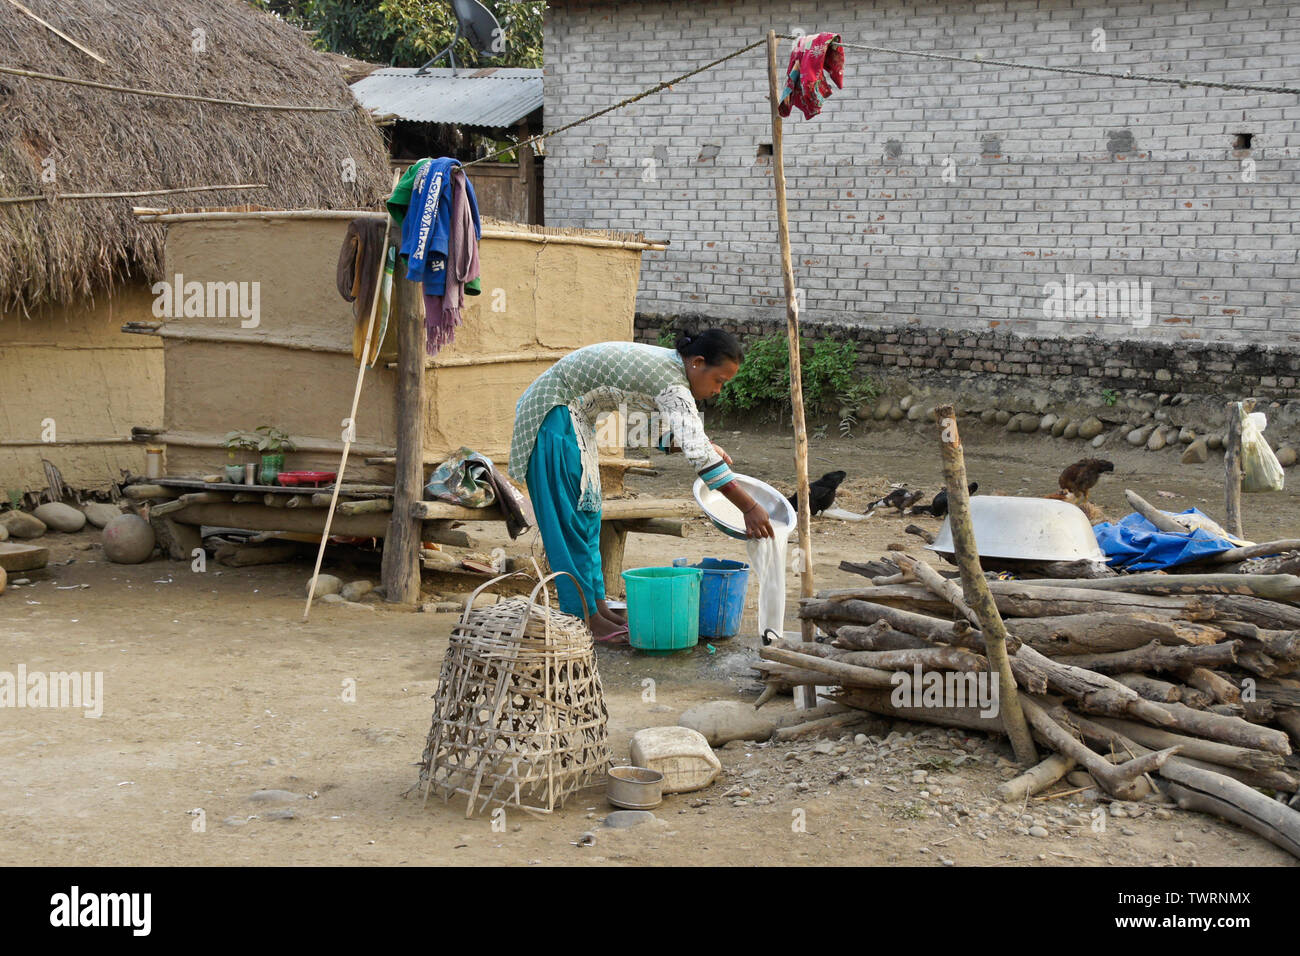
x=663, y=608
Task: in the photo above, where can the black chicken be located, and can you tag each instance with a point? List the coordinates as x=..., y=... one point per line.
x=821, y=493
x=939, y=507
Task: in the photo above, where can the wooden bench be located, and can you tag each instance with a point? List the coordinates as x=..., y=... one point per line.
x=180, y=505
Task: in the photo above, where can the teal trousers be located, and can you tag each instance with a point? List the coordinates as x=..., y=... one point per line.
x=571, y=537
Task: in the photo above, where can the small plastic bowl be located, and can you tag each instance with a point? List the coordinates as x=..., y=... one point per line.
x=634, y=788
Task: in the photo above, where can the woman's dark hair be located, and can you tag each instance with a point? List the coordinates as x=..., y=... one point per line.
x=715, y=346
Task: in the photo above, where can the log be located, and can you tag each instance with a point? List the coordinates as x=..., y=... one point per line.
x=1105, y=632
x=1262, y=550
x=926, y=536
x=975, y=589
x=299, y=501
x=1017, y=599
x=943, y=588
x=789, y=676
x=1036, y=778
x=1228, y=730
x=1282, y=644
x=138, y=492
x=1194, y=747
x=272, y=500
x=813, y=713
x=1198, y=789
x=864, y=612
x=1219, y=688
x=256, y=517
x=1280, y=692
x=1258, y=611
x=1232, y=473
x=371, y=506
x=878, y=637
x=1115, y=779
x=811, y=728
x=1278, y=587
x=1153, y=514
x=845, y=674
x=243, y=556
x=1150, y=688
x=928, y=658
x=400, y=571
x=1158, y=657
x=184, y=501
x=878, y=702
x=1290, y=722
x=1093, y=692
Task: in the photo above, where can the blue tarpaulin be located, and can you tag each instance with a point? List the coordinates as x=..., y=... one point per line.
x=1135, y=544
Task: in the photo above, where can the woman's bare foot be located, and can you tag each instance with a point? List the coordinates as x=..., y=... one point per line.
x=602, y=627
x=605, y=610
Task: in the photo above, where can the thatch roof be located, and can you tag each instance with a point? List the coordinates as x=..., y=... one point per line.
x=103, y=141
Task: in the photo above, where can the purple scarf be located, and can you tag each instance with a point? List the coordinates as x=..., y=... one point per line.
x=442, y=313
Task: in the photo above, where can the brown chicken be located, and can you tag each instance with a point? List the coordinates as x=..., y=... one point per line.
x=1093, y=513
x=1079, y=478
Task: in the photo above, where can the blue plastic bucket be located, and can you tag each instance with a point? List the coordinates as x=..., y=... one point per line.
x=722, y=595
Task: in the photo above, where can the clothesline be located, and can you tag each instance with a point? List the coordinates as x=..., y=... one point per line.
x=979, y=61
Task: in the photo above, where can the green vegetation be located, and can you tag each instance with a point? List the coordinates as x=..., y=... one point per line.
x=1109, y=396
x=410, y=32
x=830, y=381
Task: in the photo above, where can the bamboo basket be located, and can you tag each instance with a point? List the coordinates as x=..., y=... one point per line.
x=519, y=717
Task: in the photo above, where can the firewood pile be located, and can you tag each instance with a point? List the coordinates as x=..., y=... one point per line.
x=1181, y=679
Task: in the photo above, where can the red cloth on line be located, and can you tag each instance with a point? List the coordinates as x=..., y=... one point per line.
x=811, y=59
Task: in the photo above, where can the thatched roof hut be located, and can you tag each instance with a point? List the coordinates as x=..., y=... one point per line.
x=60, y=138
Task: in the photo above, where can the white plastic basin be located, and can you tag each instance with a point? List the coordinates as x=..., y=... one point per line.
x=727, y=518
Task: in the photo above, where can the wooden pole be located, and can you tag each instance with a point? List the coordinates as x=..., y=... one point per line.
x=350, y=433
x=806, y=697
x=401, y=565
x=1237, y=412
x=976, y=589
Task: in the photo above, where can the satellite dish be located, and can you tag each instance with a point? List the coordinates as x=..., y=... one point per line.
x=476, y=24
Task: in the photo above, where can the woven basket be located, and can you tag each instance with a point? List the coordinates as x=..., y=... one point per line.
x=519, y=718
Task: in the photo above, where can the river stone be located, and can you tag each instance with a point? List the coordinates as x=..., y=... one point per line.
x=100, y=514
x=1099, y=441
x=721, y=721
x=1012, y=424
x=325, y=584
x=916, y=413
x=1002, y=416
x=882, y=409
x=1214, y=442
x=1061, y=425
x=1196, y=453
x=1138, y=436
x=1156, y=440
x=1080, y=778
x=1186, y=436
x=1171, y=435
x=1028, y=423
x=625, y=819
x=60, y=517
x=1286, y=456
x=128, y=539
x=1047, y=422
x=356, y=590
x=22, y=525
x=906, y=402
x=989, y=416
x=331, y=598
x=896, y=414
x=1091, y=427
x=1071, y=430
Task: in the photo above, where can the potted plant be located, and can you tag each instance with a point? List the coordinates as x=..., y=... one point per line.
x=234, y=441
x=272, y=443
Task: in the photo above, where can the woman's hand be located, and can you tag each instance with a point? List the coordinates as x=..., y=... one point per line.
x=721, y=454
x=757, y=522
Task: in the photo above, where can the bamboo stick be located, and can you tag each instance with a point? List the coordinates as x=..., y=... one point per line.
x=976, y=589
x=804, y=699
x=1237, y=412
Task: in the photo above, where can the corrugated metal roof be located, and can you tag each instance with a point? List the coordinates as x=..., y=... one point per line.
x=488, y=97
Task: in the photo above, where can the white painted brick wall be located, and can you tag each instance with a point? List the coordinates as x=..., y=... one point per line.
x=887, y=240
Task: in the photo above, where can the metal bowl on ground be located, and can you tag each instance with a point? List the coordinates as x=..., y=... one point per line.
x=1025, y=529
x=727, y=518
x=634, y=788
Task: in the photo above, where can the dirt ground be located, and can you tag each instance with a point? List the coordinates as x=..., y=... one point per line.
x=215, y=689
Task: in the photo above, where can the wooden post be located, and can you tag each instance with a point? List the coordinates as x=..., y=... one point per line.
x=401, y=566
x=1237, y=412
x=805, y=697
x=976, y=589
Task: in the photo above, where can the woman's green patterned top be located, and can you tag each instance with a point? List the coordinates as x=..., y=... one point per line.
x=617, y=376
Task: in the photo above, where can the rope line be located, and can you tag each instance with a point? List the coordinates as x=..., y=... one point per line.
x=33, y=75
x=619, y=105
x=1183, y=82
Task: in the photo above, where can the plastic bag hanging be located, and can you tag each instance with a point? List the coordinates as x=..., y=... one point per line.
x=1261, y=471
